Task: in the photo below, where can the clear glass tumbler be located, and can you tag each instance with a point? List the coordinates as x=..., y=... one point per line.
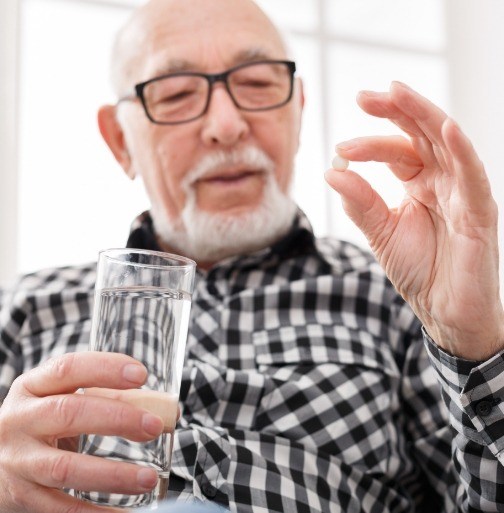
x=142, y=306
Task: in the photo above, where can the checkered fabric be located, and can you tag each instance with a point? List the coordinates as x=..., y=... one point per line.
x=306, y=388
x=474, y=394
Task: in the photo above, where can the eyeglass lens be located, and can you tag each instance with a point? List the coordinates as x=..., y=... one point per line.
x=183, y=97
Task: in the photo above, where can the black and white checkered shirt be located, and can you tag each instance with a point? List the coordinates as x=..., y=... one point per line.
x=307, y=386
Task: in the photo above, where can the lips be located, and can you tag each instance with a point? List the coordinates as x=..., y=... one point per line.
x=229, y=189
x=230, y=177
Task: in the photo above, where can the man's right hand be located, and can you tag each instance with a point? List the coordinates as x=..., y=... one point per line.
x=42, y=411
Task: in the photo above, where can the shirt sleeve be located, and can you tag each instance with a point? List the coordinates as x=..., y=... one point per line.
x=473, y=393
x=9, y=349
x=45, y=314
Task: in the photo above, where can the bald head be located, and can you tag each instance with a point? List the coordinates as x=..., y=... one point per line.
x=152, y=26
x=189, y=37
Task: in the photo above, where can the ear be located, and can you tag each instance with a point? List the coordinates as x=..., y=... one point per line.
x=113, y=135
x=299, y=100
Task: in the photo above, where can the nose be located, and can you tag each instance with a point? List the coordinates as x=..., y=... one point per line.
x=223, y=123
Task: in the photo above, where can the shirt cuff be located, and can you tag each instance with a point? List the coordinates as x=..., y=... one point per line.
x=474, y=394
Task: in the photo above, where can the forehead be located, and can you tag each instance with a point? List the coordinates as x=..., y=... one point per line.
x=217, y=35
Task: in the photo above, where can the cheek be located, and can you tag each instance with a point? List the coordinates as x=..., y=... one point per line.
x=159, y=166
x=278, y=138
x=176, y=150
x=157, y=155
x=175, y=147
x=169, y=171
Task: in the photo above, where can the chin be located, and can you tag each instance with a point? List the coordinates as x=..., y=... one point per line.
x=207, y=236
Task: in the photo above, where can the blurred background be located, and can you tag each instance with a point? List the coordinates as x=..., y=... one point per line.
x=63, y=197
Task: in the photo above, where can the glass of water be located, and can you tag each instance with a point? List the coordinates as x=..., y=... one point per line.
x=142, y=306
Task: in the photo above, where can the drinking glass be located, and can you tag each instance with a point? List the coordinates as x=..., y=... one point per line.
x=142, y=306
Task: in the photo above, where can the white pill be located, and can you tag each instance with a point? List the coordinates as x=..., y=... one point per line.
x=339, y=163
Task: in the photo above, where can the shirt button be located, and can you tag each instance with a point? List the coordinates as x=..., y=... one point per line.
x=208, y=490
x=484, y=408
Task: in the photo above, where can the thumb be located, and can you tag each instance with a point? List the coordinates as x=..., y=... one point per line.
x=363, y=205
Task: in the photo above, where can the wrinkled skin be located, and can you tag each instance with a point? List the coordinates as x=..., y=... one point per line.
x=439, y=248
x=42, y=410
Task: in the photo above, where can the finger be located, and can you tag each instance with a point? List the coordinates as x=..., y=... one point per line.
x=396, y=151
x=362, y=203
x=43, y=500
x=72, y=414
x=161, y=404
x=58, y=469
x=380, y=105
x=427, y=116
x=472, y=180
x=67, y=373
x=430, y=150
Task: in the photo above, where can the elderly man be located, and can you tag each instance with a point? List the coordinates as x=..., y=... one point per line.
x=307, y=384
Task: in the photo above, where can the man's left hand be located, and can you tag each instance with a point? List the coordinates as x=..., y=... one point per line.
x=439, y=247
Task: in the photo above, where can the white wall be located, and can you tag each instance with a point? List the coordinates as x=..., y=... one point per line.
x=476, y=57
x=475, y=49
x=9, y=16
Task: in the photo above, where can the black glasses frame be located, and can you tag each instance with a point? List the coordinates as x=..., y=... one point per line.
x=212, y=79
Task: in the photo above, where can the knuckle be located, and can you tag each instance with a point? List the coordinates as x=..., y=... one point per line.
x=16, y=384
x=17, y=390
x=66, y=409
x=60, y=469
x=61, y=367
x=10, y=423
x=117, y=477
x=123, y=416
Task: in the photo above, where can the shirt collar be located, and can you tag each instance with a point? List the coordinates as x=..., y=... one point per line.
x=298, y=241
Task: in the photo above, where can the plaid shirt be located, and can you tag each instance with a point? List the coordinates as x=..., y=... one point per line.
x=307, y=386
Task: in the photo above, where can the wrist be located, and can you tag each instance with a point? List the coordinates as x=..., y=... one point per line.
x=474, y=345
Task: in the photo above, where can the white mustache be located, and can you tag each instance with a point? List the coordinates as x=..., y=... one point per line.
x=249, y=157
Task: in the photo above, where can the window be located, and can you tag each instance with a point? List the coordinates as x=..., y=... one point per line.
x=343, y=46
x=74, y=200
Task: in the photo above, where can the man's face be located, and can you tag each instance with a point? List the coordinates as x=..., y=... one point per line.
x=197, y=35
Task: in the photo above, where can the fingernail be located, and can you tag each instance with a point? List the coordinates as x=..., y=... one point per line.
x=152, y=424
x=134, y=373
x=454, y=123
x=402, y=84
x=371, y=94
x=147, y=478
x=345, y=146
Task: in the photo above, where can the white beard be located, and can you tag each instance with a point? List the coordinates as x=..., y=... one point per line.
x=210, y=237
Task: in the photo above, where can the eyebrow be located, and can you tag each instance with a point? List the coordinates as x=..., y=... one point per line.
x=251, y=55
x=248, y=55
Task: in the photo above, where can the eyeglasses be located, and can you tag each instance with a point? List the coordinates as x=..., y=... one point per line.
x=181, y=97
